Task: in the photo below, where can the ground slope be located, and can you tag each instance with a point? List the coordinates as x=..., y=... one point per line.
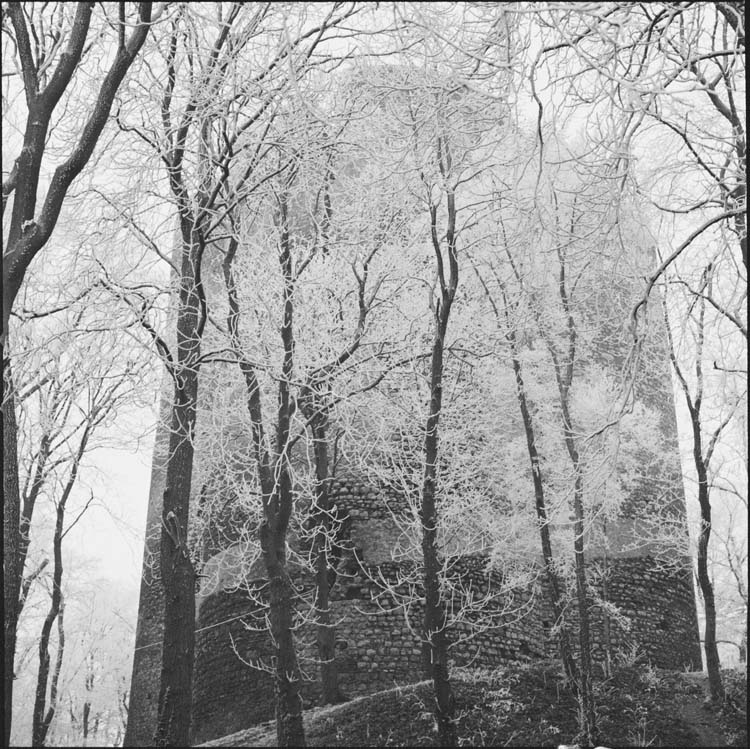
x=528, y=705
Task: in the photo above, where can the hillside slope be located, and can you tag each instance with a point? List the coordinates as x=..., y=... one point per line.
x=528, y=705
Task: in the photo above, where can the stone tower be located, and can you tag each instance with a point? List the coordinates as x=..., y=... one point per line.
x=377, y=640
x=378, y=645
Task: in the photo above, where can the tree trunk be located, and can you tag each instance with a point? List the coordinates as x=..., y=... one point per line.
x=276, y=486
x=12, y=568
x=289, y=727
x=564, y=377
x=585, y=687
x=434, y=612
x=178, y=576
x=321, y=517
x=586, y=694
x=435, y=618
x=713, y=664
x=41, y=719
x=566, y=652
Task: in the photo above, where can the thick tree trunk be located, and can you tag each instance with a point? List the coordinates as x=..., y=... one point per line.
x=178, y=576
x=321, y=517
x=12, y=567
x=289, y=727
x=326, y=634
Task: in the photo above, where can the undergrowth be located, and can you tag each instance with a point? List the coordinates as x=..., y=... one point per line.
x=524, y=704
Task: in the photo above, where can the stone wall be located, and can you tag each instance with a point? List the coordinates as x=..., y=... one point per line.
x=144, y=687
x=658, y=607
x=377, y=645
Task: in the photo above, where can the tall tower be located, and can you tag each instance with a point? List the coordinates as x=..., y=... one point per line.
x=144, y=684
x=378, y=646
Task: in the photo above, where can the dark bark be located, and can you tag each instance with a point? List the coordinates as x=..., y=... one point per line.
x=434, y=614
x=41, y=719
x=177, y=574
x=434, y=623
x=585, y=687
x=178, y=578
x=289, y=726
x=713, y=664
x=13, y=567
x=558, y=605
x=563, y=363
x=276, y=490
x=28, y=233
x=702, y=460
x=315, y=412
x=734, y=16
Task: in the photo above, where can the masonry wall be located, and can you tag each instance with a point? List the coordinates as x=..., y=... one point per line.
x=376, y=649
x=144, y=690
x=377, y=645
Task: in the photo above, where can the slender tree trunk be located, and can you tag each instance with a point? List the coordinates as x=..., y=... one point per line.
x=702, y=461
x=585, y=686
x=586, y=694
x=566, y=652
x=289, y=727
x=564, y=370
x=713, y=664
x=276, y=487
x=435, y=615
x=606, y=624
x=434, y=612
x=41, y=719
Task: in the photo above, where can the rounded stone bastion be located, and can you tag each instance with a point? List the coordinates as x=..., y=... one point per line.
x=377, y=610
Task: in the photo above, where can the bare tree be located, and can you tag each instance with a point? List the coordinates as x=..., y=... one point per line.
x=509, y=322
x=670, y=69
x=706, y=428
x=37, y=53
x=47, y=63
x=214, y=150
x=68, y=400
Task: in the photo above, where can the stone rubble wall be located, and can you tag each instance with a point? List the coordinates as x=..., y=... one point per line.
x=377, y=647
x=377, y=641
